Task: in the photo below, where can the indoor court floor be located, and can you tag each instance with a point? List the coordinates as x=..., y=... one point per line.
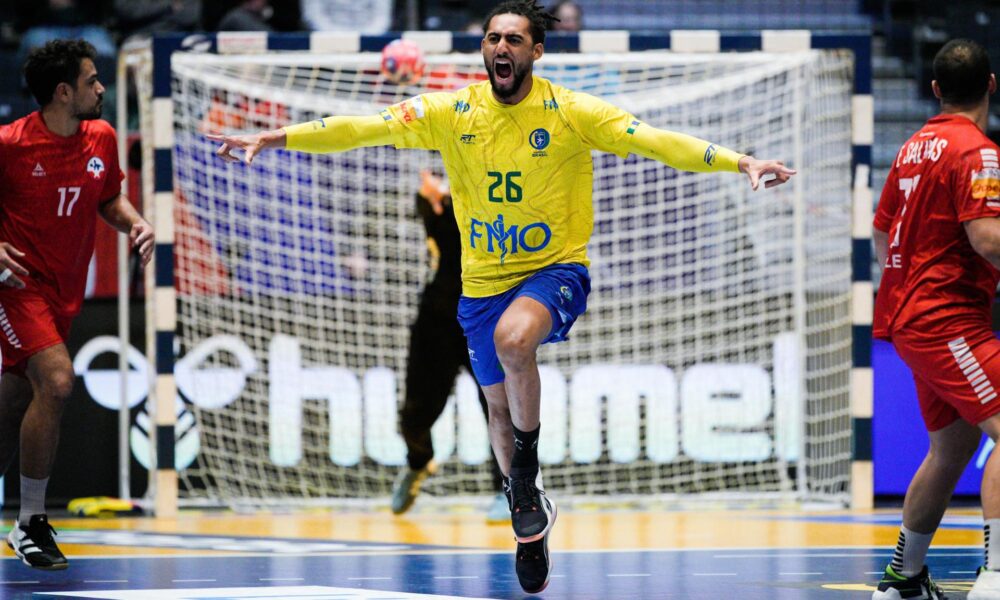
x=449, y=554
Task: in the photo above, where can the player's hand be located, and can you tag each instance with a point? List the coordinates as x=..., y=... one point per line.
x=755, y=169
x=11, y=268
x=142, y=238
x=251, y=145
x=434, y=190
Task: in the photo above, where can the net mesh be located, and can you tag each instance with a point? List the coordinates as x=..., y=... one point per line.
x=715, y=353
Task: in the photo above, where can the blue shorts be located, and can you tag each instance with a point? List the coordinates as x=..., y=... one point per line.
x=562, y=288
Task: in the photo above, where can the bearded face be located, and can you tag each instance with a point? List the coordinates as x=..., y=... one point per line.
x=509, y=54
x=88, y=94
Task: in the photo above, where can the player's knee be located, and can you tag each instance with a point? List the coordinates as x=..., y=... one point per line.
x=58, y=385
x=514, y=349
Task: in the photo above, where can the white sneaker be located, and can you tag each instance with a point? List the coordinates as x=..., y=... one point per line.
x=987, y=586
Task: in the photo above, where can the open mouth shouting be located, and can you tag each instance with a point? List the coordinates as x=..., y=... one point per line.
x=503, y=71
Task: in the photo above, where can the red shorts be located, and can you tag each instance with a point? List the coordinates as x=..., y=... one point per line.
x=957, y=374
x=28, y=325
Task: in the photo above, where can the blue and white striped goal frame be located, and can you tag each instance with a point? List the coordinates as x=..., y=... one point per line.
x=862, y=136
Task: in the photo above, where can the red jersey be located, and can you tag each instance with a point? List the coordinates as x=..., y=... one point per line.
x=945, y=174
x=50, y=190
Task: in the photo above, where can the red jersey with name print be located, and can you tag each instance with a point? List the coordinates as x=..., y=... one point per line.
x=946, y=174
x=50, y=190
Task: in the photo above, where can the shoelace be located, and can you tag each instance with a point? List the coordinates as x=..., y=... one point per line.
x=524, y=493
x=42, y=536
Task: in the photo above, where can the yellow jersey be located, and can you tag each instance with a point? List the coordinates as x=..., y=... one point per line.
x=521, y=175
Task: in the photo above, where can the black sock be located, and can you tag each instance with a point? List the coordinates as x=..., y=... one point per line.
x=524, y=462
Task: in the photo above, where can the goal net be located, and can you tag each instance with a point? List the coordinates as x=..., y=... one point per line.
x=715, y=354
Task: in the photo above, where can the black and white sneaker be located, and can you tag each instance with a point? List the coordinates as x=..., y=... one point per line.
x=533, y=564
x=895, y=586
x=35, y=546
x=531, y=512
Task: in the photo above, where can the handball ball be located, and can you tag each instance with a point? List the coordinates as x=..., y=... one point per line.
x=402, y=62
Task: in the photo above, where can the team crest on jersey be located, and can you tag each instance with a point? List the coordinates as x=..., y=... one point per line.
x=539, y=140
x=95, y=166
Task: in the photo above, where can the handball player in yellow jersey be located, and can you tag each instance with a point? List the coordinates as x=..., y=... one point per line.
x=517, y=151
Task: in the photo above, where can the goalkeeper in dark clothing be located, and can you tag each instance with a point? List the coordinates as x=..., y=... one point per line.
x=437, y=349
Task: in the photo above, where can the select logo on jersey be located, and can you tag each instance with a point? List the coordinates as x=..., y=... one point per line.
x=468, y=138
x=498, y=238
x=710, y=154
x=38, y=171
x=95, y=166
x=986, y=184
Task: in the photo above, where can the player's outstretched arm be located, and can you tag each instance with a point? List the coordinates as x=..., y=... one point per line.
x=332, y=134
x=688, y=153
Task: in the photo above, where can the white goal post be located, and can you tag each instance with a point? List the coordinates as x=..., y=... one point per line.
x=725, y=345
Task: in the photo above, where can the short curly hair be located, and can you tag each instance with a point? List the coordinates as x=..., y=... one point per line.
x=539, y=19
x=56, y=62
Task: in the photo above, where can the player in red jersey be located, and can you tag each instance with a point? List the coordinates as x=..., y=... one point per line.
x=937, y=238
x=58, y=172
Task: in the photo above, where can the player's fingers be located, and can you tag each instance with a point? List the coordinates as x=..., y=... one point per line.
x=8, y=278
x=225, y=152
x=13, y=265
x=146, y=252
x=250, y=154
x=779, y=178
x=754, y=178
x=437, y=205
x=141, y=240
